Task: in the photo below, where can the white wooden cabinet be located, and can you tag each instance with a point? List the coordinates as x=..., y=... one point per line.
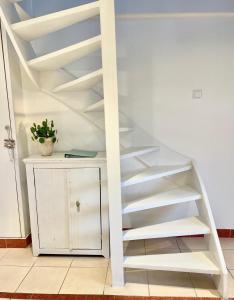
x=68, y=205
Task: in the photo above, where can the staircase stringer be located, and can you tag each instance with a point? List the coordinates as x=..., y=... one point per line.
x=212, y=239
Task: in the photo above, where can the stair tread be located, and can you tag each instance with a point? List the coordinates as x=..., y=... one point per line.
x=154, y=173
x=62, y=57
x=175, y=196
x=181, y=227
x=137, y=151
x=125, y=129
x=84, y=82
x=194, y=262
x=96, y=107
x=37, y=27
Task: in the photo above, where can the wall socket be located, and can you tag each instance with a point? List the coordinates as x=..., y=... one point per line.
x=197, y=94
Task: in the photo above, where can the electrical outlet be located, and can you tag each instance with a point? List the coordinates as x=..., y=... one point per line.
x=197, y=94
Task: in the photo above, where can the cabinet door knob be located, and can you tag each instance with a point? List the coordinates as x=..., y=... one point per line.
x=78, y=205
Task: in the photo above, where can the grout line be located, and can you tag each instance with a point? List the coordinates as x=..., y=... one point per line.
x=63, y=280
x=105, y=280
x=23, y=279
x=190, y=278
x=147, y=272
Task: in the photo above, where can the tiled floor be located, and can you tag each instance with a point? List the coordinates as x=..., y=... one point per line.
x=20, y=272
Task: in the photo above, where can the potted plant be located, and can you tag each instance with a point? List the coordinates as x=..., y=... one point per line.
x=45, y=135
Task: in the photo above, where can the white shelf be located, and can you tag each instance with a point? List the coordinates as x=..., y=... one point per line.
x=155, y=172
x=182, y=227
x=175, y=196
x=137, y=151
x=60, y=58
x=193, y=262
x=81, y=83
x=96, y=107
x=37, y=27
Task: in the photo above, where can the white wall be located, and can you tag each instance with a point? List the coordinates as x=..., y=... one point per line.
x=160, y=63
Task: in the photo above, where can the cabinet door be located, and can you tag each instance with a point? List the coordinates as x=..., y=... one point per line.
x=85, y=208
x=52, y=208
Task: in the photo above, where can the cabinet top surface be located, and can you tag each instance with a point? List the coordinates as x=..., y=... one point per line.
x=59, y=158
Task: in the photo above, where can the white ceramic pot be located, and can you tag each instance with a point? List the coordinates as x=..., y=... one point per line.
x=47, y=148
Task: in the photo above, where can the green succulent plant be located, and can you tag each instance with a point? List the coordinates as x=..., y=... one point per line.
x=43, y=131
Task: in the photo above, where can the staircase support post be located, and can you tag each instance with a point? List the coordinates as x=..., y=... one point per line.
x=109, y=64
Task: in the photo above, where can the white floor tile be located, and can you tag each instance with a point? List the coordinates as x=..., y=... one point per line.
x=230, y=285
x=53, y=261
x=229, y=258
x=45, y=280
x=135, y=284
x=204, y=285
x=84, y=281
x=170, y=284
x=227, y=243
x=18, y=257
x=191, y=243
x=134, y=244
x=3, y=251
x=11, y=277
x=90, y=262
x=161, y=244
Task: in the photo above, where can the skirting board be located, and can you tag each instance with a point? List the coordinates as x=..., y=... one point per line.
x=16, y=243
x=24, y=242
x=91, y=297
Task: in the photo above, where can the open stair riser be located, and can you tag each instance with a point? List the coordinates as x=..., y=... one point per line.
x=172, y=197
x=36, y=27
x=85, y=82
x=193, y=262
x=63, y=57
x=183, y=227
x=154, y=173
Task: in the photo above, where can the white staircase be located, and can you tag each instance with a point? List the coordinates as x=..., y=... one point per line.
x=22, y=29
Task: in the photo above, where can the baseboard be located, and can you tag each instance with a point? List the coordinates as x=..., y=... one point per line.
x=24, y=242
x=93, y=297
x=16, y=243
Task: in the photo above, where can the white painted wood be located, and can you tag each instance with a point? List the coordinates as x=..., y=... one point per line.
x=193, y=262
x=107, y=18
x=212, y=239
x=60, y=58
x=137, y=151
x=77, y=178
x=52, y=208
x=9, y=213
x=33, y=209
x=96, y=107
x=14, y=1
x=14, y=91
x=37, y=27
x=182, y=227
x=125, y=129
x=85, y=220
x=178, y=15
x=155, y=172
x=84, y=82
x=59, y=159
x=172, y=197
x=23, y=15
